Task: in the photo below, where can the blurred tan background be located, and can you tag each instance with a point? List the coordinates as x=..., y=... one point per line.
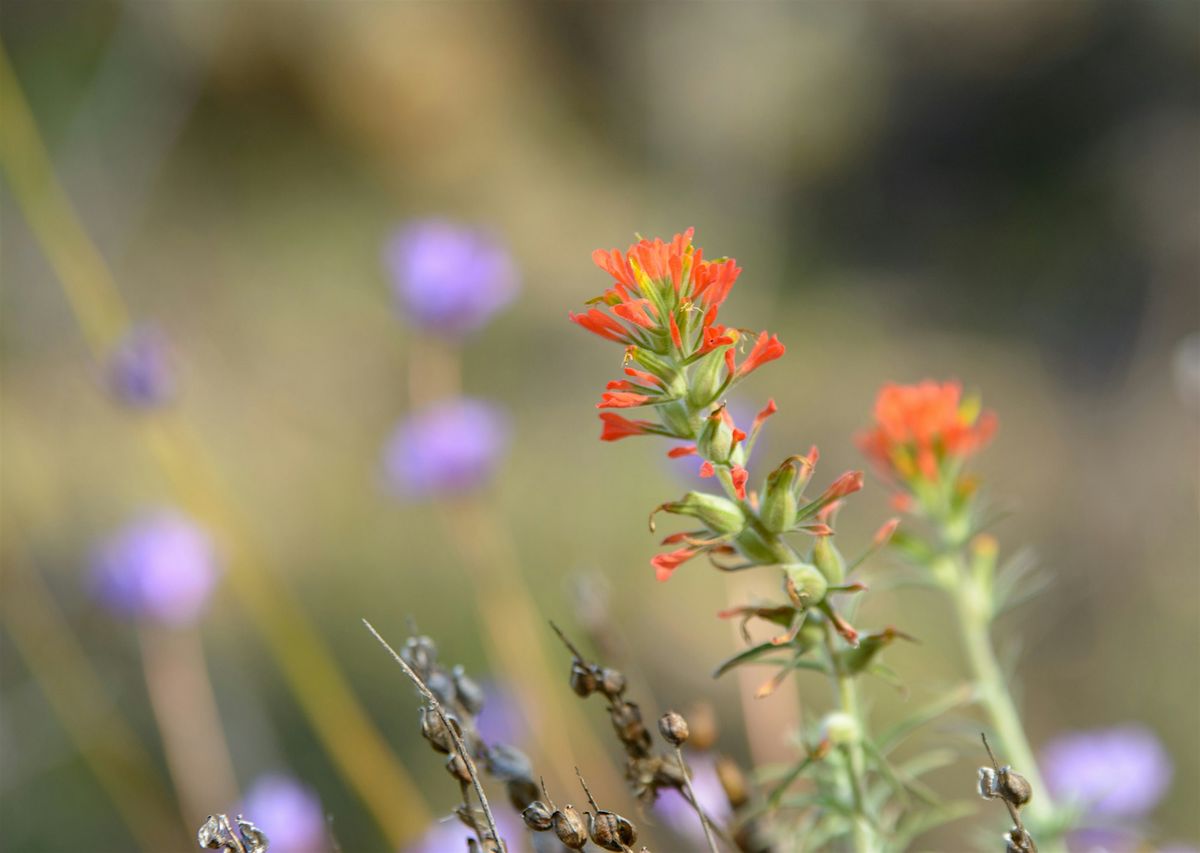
x=1003, y=192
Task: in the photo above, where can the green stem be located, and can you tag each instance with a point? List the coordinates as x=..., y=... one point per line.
x=974, y=621
x=864, y=829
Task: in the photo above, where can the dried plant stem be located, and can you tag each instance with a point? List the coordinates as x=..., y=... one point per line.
x=189, y=722
x=687, y=781
x=79, y=700
x=459, y=746
x=359, y=752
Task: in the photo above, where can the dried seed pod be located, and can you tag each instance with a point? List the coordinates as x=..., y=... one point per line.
x=458, y=768
x=435, y=731
x=469, y=693
x=507, y=762
x=674, y=728
x=733, y=781
x=702, y=726
x=627, y=721
x=420, y=653
x=569, y=827
x=611, y=831
x=612, y=682
x=583, y=679
x=1014, y=787
x=537, y=816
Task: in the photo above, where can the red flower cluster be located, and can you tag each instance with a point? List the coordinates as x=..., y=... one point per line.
x=663, y=308
x=918, y=427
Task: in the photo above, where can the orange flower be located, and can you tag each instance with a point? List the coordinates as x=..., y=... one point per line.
x=766, y=348
x=617, y=427
x=917, y=426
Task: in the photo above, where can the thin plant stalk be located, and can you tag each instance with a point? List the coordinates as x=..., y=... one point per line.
x=687, y=781
x=359, y=752
x=79, y=700
x=846, y=691
x=459, y=746
x=188, y=719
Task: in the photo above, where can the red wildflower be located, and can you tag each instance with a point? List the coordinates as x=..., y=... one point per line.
x=847, y=484
x=597, y=322
x=666, y=564
x=635, y=311
x=917, y=426
x=622, y=400
x=643, y=377
x=739, y=475
x=713, y=281
x=766, y=348
x=766, y=412
x=616, y=427
x=685, y=450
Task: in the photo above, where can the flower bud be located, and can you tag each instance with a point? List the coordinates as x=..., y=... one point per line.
x=718, y=514
x=583, y=679
x=804, y=585
x=612, y=682
x=716, y=438
x=756, y=549
x=829, y=560
x=569, y=827
x=537, y=816
x=841, y=729
x=420, y=653
x=611, y=831
x=707, y=378
x=673, y=727
x=778, y=511
x=468, y=692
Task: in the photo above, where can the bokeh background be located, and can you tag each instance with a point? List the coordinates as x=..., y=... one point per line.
x=1003, y=192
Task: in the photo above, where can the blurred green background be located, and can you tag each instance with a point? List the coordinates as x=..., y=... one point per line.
x=1003, y=192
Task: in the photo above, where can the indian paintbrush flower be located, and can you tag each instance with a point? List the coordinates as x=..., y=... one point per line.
x=448, y=447
x=161, y=566
x=447, y=278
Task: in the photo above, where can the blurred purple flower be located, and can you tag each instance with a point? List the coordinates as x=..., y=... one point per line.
x=678, y=814
x=1120, y=772
x=288, y=812
x=450, y=835
x=160, y=566
x=1101, y=841
x=140, y=372
x=450, y=446
x=501, y=720
x=448, y=278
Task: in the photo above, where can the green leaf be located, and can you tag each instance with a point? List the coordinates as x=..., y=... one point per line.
x=747, y=656
x=957, y=698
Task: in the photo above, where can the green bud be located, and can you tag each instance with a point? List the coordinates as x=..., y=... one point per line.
x=841, y=729
x=778, y=511
x=829, y=560
x=654, y=363
x=719, y=514
x=804, y=584
x=677, y=418
x=707, y=378
x=756, y=549
x=716, y=438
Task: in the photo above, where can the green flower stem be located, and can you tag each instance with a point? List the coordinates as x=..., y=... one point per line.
x=865, y=840
x=974, y=622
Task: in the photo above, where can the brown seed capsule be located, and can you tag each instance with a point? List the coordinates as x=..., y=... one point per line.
x=435, y=731
x=612, y=682
x=1013, y=787
x=458, y=769
x=674, y=728
x=733, y=781
x=441, y=685
x=569, y=827
x=702, y=726
x=627, y=721
x=521, y=792
x=611, y=831
x=537, y=816
x=583, y=679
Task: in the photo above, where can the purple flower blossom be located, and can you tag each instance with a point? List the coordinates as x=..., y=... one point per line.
x=140, y=372
x=1120, y=772
x=448, y=278
x=450, y=835
x=501, y=720
x=288, y=812
x=678, y=814
x=160, y=566
x=450, y=446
